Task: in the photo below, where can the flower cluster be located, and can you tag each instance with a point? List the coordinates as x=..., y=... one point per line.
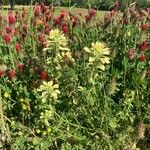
x=68, y=79
x=56, y=40
x=98, y=55
x=49, y=91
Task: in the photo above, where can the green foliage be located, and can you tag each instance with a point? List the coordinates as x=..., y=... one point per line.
x=75, y=82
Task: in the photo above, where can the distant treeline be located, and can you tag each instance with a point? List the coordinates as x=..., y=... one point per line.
x=97, y=4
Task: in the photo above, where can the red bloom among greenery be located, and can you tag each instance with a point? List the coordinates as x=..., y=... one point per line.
x=62, y=14
x=11, y=19
x=144, y=45
x=21, y=67
x=7, y=38
x=144, y=27
x=18, y=47
x=37, y=10
x=8, y=29
x=83, y=97
x=43, y=75
x=12, y=73
x=65, y=28
x=142, y=57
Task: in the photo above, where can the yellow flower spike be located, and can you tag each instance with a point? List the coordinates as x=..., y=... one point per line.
x=129, y=33
x=6, y=95
x=98, y=55
x=49, y=89
x=49, y=129
x=24, y=106
x=56, y=37
x=21, y=100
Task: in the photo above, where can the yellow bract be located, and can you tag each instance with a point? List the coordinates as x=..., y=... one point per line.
x=98, y=55
x=6, y=95
x=49, y=90
x=56, y=39
x=129, y=33
x=45, y=116
x=49, y=129
x=100, y=48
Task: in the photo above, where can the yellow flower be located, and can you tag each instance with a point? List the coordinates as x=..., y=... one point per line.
x=45, y=116
x=66, y=55
x=6, y=95
x=22, y=100
x=25, y=107
x=49, y=90
x=98, y=54
x=56, y=39
x=25, y=104
x=129, y=33
x=100, y=48
x=49, y=129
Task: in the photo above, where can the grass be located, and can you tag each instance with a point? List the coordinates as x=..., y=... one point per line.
x=100, y=14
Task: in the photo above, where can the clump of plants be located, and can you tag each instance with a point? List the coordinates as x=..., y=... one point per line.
x=72, y=81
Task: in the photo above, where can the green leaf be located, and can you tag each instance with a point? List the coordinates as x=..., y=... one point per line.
x=36, y=140
x=113, y=123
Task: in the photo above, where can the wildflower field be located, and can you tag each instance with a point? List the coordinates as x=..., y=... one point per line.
x=75, y=81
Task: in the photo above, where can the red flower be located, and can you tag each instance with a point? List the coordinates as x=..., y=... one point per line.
x=40, y=37
x=116, y=4
x=47, y=29
x=43, y=75
x=37, y=11
x=12, y=73
x=48, y=17
x=142, y=57
x=47, y=12
x=8, y=29
x=92, y=12
x=57, y=21
x=43, y=8
x=18, y=47
x=148, y=10
x=21, y=67
x=144, y=27
x=62, y=14
x=144, y=45
x=65, y=28
x=7, y=38
x=112, y=13
x=88, y=18
x=11, y=19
